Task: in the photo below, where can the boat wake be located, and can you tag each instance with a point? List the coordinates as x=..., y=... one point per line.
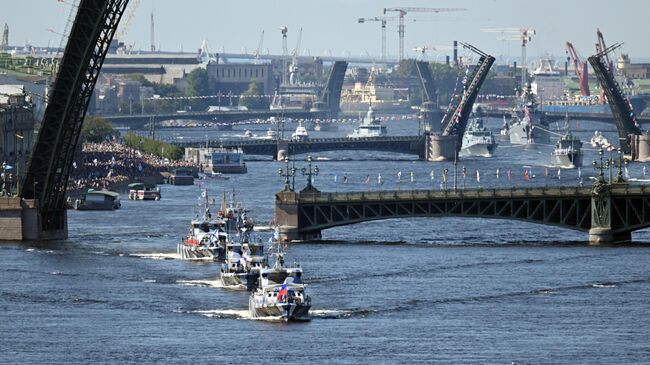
x=157, y=256
x=202, y=283
x=245, y=314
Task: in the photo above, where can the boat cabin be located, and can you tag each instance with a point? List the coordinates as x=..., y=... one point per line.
x=144, y=191
x=98, y=200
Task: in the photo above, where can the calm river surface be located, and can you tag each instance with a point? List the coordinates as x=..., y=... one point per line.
x=420, y=290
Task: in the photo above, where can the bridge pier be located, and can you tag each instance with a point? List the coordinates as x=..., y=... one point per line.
x=640, y=146
x=282, y=151
x=440, y=148
x=599, y=236
x=21, y=221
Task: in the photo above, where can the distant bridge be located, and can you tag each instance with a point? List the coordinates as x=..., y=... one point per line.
x=609, y=213
x=414, y=145
x=139, y=120
x=559, y=116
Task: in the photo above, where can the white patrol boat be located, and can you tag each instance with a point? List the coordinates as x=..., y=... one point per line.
x=301, y=134
x=283, y=301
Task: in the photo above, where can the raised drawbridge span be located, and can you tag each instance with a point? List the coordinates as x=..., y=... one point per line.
x=47, y=176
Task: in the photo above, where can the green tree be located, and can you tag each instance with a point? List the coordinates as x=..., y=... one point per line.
x=153, y=147
x=96, y=129
x=252, y=98
x=197, y=83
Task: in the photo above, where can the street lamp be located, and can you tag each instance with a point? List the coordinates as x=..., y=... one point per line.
x=309, y=172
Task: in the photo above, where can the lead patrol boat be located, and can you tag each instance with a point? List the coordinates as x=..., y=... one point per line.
x=280, y=294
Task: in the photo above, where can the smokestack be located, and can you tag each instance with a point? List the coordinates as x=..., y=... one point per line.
x=447, y=60
x=566, y=68
x=455, y=53
x=5, y=38
x=152, y=34
x=514, y=68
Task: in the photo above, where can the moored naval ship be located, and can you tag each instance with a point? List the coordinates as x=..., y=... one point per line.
x=531, y=128
x=478, y=140
x=567, y=152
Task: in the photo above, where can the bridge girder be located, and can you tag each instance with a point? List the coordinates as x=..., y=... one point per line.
x=573, y=208
x=570, y=213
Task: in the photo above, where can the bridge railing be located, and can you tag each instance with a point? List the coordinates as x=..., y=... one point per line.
x=538, y=192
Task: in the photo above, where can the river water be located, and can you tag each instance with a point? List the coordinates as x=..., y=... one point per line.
x=440, y=290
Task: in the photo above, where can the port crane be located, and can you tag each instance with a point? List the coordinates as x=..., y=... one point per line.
x=285, y=52
x=402, y=13
x=525, y=35
x=580, y=67
x=294, y=76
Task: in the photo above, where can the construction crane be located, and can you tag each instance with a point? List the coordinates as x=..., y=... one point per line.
x=258, y=51
x=422, y=50
x=580, y=69
x=525, y=35
x=293, y=69
x=383, y=21
x=126, y=20
x=402, y=13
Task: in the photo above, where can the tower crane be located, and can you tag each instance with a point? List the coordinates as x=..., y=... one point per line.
x=525, y=35
x=402, y=13
x=383, y=21
x=580, y=69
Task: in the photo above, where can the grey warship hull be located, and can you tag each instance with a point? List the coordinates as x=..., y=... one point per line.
x=519, y=135
x=568, y=161
x=478, y=150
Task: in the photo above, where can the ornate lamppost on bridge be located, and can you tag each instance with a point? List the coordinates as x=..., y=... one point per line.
x=309, y=172
x=286, y=173
x=601, y=166
x=621, y=162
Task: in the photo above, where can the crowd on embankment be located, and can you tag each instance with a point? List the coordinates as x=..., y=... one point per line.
x=112, y=164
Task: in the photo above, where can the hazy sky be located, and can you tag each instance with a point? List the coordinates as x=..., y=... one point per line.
x=331, y=25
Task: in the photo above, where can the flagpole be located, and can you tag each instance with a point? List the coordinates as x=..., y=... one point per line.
x=455, y=168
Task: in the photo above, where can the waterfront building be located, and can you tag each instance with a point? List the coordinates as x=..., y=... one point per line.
x=16, y=127
x=235, y=77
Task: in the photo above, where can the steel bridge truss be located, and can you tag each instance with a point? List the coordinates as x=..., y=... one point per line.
x=564, y=207
x=621, y=109
x=456, y=122
x=88, y=42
